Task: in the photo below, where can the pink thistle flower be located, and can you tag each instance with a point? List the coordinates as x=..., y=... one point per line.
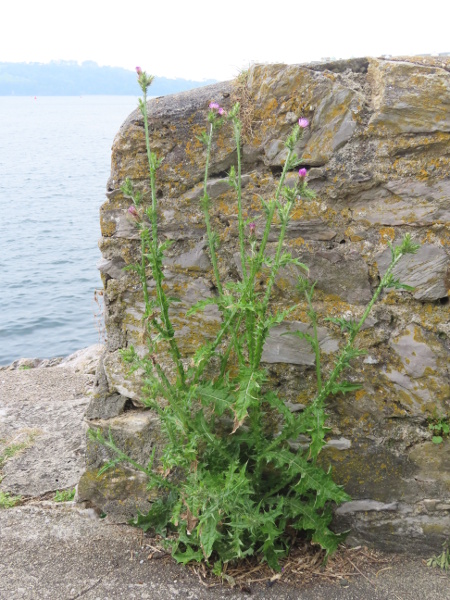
x=138, y=70
x=214, y=106
x=252, y=227
x=222, y=111
x=133, y=214
x=302, y=173
x=303, y=123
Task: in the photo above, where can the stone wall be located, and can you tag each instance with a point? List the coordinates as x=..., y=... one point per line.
x=378, y=158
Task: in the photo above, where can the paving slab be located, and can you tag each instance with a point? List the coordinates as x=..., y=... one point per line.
x=64, y=552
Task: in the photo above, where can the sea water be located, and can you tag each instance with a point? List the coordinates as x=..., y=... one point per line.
x=55, y=157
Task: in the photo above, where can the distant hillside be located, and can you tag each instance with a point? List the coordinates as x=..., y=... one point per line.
x=68, y=78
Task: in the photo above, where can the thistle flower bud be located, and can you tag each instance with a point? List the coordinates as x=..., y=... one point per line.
x=303, y=123
x=302, y=173
x=133, y=214
x=144, y=80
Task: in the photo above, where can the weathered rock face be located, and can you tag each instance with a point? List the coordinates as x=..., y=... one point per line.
x=378, y=158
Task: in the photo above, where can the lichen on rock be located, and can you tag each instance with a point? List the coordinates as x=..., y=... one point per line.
x=378, y=158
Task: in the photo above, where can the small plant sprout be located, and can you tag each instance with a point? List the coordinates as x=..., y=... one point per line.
x=64, y=495
x=442, y=560
x=230, y=485
x=440, y=427
x=8, y=501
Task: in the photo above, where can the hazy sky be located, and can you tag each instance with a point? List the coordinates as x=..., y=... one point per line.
x=196, y=39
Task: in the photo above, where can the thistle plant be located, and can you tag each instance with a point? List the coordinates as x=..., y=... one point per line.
x=230, y=485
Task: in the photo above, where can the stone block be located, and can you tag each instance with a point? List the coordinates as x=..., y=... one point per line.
x=377, y=158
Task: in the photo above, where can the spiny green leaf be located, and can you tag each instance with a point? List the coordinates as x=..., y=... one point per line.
x=344, y=387
x=311, y=476
x=208, y=534
x=395, y=284
x=203, y=138
x=201, y=304
x=189, y=555
x=302, y=335
x=249, y=386
x=158, y=517
x=220, y=398
x=345, y=324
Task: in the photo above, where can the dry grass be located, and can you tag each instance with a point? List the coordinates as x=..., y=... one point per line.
x=22, y=440
x=242, y=95
x=305, y=565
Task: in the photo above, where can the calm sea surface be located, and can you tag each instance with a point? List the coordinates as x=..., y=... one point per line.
x=55, y=157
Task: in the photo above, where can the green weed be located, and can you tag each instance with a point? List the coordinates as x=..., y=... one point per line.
x=440, y=426
x=442, y=560
x=8, y=501
x=64, y=495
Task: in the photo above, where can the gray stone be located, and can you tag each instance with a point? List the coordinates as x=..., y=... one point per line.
x=340, y=444
x=22, y=364
x=398, y=106
x=113, y=267
x=215, y=188
x=106, y=407
x=415, y=354
x=430, y=190
x=311, y=229
x=120, y=379
x=273, y=149
x=392, y=211
x=420, y=369
x=405, y=202
x=120, y=491
x=342, y=275
x=194, y=260
x=333, y=125
x=365, y=506
x=84, y=361
x=123, y=227
x=282, y=348
x=425, y=271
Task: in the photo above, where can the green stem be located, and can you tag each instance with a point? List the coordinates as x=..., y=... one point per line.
x=223, y=330
x=209, y=231
x=142, y=272
x=316, y=345
x=233, y=344
x=156, y=263
x=257, y=264
x=340, y=364
x=237, y=137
